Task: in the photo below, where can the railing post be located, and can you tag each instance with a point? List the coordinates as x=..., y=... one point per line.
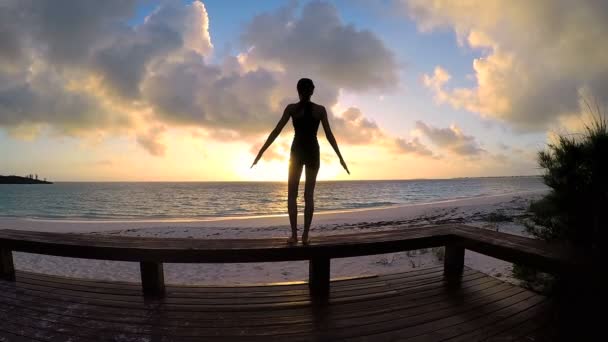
x=453, y=261
x=7, y=268
x=318, y=277
x=152, y=278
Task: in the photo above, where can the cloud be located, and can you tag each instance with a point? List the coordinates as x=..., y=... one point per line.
x=81, y=68
x=451, y=139
x=43, y=96
x=537, y=56
x=167, y=34
x=317, y=42
x=77, y=55
x=503, y=146
x=436, y=82
x=200, y=94
x=413, y=146
x=65, y=33
x=277, y=151
x=151, y=140
x=353, y=128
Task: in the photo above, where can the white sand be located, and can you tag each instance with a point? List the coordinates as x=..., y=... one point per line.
x=478, y=211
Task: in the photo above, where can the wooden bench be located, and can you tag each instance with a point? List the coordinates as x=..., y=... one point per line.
x=151, y=253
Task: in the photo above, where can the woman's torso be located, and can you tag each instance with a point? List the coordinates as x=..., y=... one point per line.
x=306, y=122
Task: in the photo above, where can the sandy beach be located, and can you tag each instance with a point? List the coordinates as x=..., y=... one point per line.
x=501, y=212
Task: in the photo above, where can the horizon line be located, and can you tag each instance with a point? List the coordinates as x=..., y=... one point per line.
x=283, y=181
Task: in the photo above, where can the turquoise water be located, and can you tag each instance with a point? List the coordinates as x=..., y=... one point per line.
x=184, y=200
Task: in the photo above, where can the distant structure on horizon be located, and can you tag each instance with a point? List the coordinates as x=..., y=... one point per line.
x=28, y=179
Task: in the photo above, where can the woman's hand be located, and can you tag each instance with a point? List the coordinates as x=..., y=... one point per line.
x=255, y=161
x=343, y=163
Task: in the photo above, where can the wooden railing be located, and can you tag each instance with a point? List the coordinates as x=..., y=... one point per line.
x=151, y=253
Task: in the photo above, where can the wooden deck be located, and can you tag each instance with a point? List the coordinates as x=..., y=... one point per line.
x=413, y=306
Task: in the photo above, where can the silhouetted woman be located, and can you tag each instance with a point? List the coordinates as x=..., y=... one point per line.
x=306, y=117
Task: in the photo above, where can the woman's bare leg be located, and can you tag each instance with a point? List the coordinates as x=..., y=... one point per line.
x=309, y=200
x=295, y=172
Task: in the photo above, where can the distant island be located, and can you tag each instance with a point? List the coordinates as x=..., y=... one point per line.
x=30, y=179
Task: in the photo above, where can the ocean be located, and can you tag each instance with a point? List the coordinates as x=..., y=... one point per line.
x=200, y=200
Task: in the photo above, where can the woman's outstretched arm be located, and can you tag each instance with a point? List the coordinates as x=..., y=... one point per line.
x=332, y=140
x=274, y=134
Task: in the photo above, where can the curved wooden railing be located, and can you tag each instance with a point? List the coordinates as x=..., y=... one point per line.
x=151, y=253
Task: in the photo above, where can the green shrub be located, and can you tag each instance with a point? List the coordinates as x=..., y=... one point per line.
x=576, y=207
x=575, y=210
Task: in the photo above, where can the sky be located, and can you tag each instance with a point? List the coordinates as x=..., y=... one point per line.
x=172, y=90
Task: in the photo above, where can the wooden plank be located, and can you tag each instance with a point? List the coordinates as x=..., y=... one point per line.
x=7, y=268
x=237, y=293
x=548, y=333
x=416, y=313
x=503, y=246
x=403, y=327
x=54, y=288
x=8, y=336
x=15, y=236
x=41, y=327
x=409, y=304
x=209, y=330
x=92, y=298
x=36, y=330
x=152, y=279
x=318, y=277
x=453, y=261
x=548, y=257
x=487, y=326
x=348, y=314
x=405, y=287
x=94, y=319
x=101, y=330
x=216, y=290
x=200, y=296
x=233, y=250
x=528, y=322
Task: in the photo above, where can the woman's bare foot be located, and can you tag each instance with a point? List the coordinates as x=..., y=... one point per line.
x=292, y=240
x=305, y=239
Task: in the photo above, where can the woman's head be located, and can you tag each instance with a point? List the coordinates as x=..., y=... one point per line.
x=305, y=88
